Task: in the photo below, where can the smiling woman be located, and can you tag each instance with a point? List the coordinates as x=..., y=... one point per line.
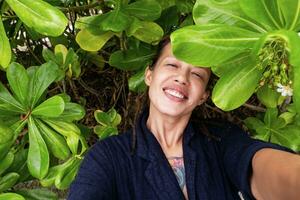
x=173, y=159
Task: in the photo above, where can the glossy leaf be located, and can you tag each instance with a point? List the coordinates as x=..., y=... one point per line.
x=236, y=86
x=50, y=178
x=38, y=155
x=11, y=196
x=55, y=142
x=270, y=116
x=223, y=12
x=291, y=12
x=105, y=131
x=144, y=10
x=5, y=51
x=91, y=41
x=39, y=15
x=72, y=111
x=42, y=78
x=8, y=102
x=8, y=181
x=131, y=59
x=6, y=140
x=149, y=32
x=207, y=45
x=38, y=194
x=136, y=82
x=268, y=96
x=264, y=12
x=66, y=176
x=288, y=136
x=116, y=21
x=18, y=81
x=102, y=117
x=52, y=107
x=6, y=162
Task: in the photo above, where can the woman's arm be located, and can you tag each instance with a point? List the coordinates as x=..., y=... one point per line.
x=276, y=175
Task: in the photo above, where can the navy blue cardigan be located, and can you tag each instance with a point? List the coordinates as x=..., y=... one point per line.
x=215, y=168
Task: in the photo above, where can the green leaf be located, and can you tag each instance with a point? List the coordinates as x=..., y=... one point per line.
x=131, y=59
x=18, y=81
x=72, y=111
x=230, y=64
x=144, y=10
x=236, y=86
x=38, y=194
x=268, y=96
x=136, y=82
x=41, y=80
x=52, y=107
x=90, y=41
x=102, y=117
x=264, y=12
x=270, y=116
x=38, y=155
x=5, y=51
x=116, y=21
x=11, y=196
x=50, y=178
x=291, y=12
x=41, y=16
x=105, y=131
x=207, y=45
x=8, y=102
x=68, y=173
x=253, y=123
x=6, y=162
x=8, y=181
x=149, y=32
x=288, y=136
x=6, y=140
x=55, y=142
x=223, y=12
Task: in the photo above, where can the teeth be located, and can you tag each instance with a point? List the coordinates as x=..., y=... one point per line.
x=175, y=93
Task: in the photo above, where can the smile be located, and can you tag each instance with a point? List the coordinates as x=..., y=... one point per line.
x=175, y=93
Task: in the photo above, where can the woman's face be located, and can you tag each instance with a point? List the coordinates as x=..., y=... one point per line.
x=176, y=87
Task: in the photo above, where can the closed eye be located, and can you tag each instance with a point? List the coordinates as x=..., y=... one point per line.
x=197, y=75
x=172, y=65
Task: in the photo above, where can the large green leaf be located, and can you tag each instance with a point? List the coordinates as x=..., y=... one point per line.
x=131, y=59
x=8, y=181
x=5, y=51
x=291, y=12
x=268, y=96
x=72, y=111
x=223, y=12
x=41, y=79
x=90, y=41
x=11, y=196
x=38, y=194
x=115, y=21
x=236, y=86
x=270, y=116
x=52, y=107
x=149, y=32
x=8, y=102
x=207, y=45
x=39, y=15
x=6, y=162
x=264, y=12
x=6, y=140
x=38, y=155
x=56, y=143
x=144, y=10
x=288, y=136
x=18, y=80
x=136, y=82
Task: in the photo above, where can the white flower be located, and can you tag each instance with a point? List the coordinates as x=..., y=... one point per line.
x=284, y=90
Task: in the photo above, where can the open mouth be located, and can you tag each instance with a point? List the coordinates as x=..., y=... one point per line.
x=175, y=93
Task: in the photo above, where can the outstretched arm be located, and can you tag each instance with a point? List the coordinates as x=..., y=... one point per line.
x=276, y=175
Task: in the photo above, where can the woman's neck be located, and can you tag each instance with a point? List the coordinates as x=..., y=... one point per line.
x=168, y=130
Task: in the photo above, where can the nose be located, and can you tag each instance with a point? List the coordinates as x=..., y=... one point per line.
x=182, y=77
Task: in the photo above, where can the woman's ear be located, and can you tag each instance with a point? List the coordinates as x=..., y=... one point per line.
x=148, y=76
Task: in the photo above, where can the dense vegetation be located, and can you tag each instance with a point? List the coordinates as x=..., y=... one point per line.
x=72, y=73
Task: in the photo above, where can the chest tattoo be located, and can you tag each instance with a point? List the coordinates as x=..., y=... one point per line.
x=177, y=165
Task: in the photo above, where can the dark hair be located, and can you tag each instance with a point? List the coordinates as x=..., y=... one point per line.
x=143, y=100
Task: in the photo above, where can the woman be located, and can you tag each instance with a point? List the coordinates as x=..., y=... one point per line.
x=174, y=160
